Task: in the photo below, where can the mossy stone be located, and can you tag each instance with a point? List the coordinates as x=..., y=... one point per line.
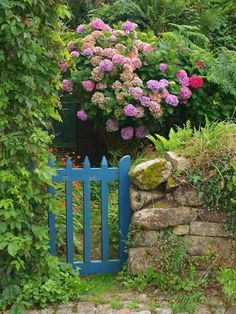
x=150, y=174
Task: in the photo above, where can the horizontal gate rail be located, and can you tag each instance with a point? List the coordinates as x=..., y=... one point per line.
x=104, y=174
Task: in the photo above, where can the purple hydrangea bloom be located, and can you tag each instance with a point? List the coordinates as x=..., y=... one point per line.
x=82, y=115
x=185, y=93
x=106, y=65
x=63, y=67
x=80, y=29
x=163, y=83
x=67, y=85
x=129, y=26
x=127, y=133
x=112, y=125
x=99, y=25
x=163, y=67
x=88, y=85
x=75, y=54
x=130, y=111
x=181, y=74
x=172, y=100
x=153, y=85
x=140, y=132
x=145, y=101
x=87, y=52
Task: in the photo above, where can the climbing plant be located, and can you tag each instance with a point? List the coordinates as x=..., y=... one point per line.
x=29, y=79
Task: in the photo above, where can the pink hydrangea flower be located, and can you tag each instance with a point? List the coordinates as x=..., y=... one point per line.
x=163, y=67
x=118, y=59
x=147, y=48
x=109, y=52
x=185, y=93
x=82, y=115
x=129, y=26
x=136, y=63
x=130, y=111
x=113, y=38
x=63, y=67
x=75, y=54
x=183, y=78
x=71, y=45
x=67, y=85
x=112, y=125
x=88, y=85
x=140, y=132
x=106, y=65
x=136, y=92
x=99, y=25
x=80, y=28
x=127, y=133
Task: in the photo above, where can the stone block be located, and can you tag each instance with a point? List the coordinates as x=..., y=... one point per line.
x=139, y=198
x=161, y=310
x=85, y=308
x=158, y=218
x=150, y=174
x=178, y=162
x=145, y=238
x=181, y=230
x=211, y=251
x=208, y=229
x=202, y=309
x=186, y=196
x=141, y=258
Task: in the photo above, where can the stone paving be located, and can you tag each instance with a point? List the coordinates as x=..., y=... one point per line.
x=134, y=304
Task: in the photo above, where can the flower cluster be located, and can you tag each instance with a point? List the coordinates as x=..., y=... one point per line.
x=107, y=67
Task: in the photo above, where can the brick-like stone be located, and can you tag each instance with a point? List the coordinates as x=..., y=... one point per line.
x=220, y=251
x=210, y=229
x=161, y=310
x=146, y=238
x=202, y=309
x=186, y=196
x=178, y=162
x=141, y=258
x=104, y=309
x=181, y=230
x=85, y=308
x=139, y=198
x=158, y=218
x=231, y=310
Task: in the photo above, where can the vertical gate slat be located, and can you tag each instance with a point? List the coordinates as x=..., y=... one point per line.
x=124, y=206
x=104, y=213
x=86, y=202
x=69, y=215
x=52, y=221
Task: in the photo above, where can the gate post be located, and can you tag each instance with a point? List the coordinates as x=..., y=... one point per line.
x=124, y=206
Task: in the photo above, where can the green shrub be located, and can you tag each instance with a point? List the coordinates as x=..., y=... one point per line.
x=30, y=52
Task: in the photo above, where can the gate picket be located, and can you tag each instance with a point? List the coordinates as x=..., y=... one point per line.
x=104, y=174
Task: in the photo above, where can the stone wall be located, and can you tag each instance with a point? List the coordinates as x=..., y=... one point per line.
x=160, y=203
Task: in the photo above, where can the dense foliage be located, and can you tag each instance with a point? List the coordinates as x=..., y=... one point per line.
x=28, y=100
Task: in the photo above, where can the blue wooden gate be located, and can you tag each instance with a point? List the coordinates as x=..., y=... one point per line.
x=104, y=174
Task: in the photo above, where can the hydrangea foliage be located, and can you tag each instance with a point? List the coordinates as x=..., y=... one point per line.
x=109, y=71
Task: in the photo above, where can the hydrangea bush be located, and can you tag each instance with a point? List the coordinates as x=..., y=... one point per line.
x=120, y=81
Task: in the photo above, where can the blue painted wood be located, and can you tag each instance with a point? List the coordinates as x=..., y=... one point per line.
x=86, y=205
x=51, y=221
x=99, y=267
x=86, y=175
x=69, y=216
x=124, y=206
x=104, y=213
